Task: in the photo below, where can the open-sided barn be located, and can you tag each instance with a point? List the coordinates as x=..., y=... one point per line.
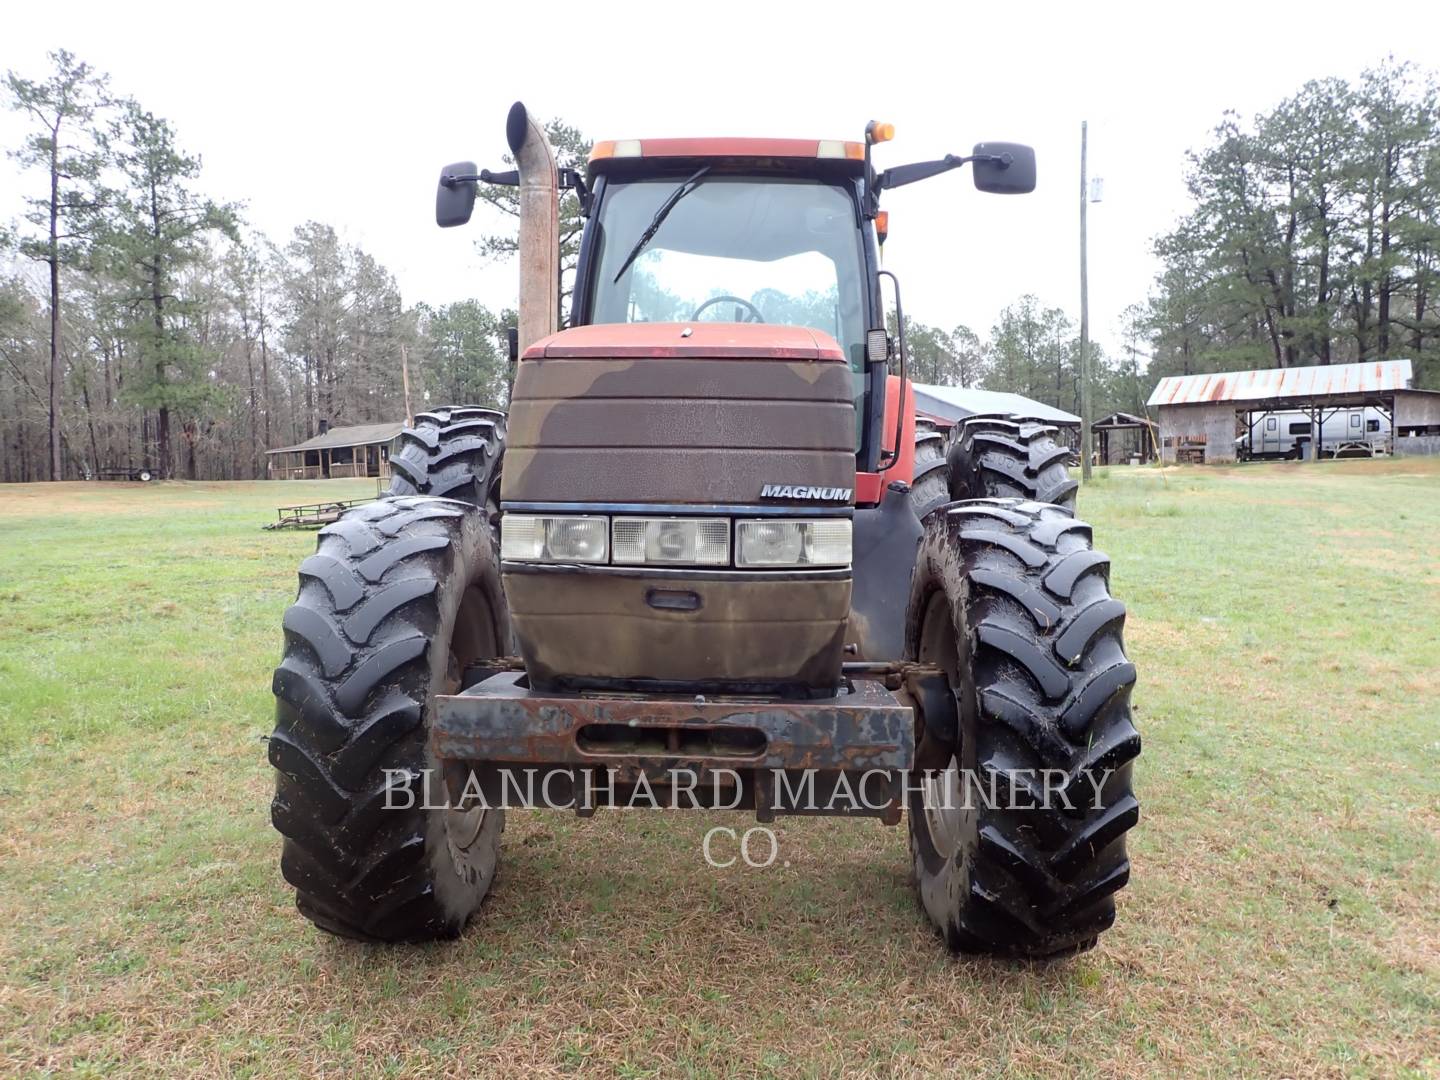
x=1201, y=416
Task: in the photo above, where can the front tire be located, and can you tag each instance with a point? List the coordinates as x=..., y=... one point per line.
x=1019, y=847
x=401, y=597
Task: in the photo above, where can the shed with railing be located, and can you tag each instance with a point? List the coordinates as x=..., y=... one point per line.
x=360, y=450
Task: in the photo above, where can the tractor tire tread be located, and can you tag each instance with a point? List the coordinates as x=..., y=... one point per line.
x=451, y=452
x=1052, y=730
x=1009, y=457
x=350, y=698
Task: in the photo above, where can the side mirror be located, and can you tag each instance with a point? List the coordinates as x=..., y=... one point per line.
x=1004, y=168
x=454, y=197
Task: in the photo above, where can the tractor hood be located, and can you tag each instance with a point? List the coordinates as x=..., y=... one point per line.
x=667, y=420
x=699, y=340
x=667, y=414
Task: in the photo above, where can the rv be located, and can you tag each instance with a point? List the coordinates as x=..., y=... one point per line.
x=1347, y=432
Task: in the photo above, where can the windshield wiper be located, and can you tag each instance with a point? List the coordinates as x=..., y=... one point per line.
x=669, y=204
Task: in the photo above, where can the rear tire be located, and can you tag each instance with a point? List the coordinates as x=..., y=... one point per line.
x=931, y=484
x=1010, y=600
x=401, y=597
x=452, y=452
x=1010, y=457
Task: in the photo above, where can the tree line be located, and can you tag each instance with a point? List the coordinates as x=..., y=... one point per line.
x=145, y=323
x=162, y=331
x=1313, y=235
x=1033, y=350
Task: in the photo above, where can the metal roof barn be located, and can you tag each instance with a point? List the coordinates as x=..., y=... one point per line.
x=954, y=403
x=1200, y=415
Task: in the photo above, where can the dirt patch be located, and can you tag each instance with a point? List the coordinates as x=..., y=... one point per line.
x=1401, y=468
x=1386, y=560
x=1163, y=636
x=1359, y=534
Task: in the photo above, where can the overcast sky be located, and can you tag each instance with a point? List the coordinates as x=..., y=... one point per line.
x=344, y=113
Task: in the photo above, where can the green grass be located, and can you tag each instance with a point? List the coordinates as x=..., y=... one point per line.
x=1282, y=917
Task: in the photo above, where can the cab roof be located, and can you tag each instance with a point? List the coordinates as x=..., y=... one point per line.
x=630, y=153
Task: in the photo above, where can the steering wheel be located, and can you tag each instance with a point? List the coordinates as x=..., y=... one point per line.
x=754, y=311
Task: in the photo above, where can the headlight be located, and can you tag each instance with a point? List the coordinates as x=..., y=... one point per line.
x=786, y=542
x=571, y=538
x=677, y=541
x=637, y=541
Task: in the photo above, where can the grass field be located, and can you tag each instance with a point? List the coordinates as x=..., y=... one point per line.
x=1283, y=917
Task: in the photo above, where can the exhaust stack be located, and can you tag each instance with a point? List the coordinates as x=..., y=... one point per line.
x=539, y=226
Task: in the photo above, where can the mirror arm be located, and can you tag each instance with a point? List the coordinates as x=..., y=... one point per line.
x=574, y=180
x=923, y=170
x=570, y=180
x=504, y=179
x=901, y=175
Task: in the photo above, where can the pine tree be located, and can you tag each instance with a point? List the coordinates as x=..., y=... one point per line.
x=61, y=109
x=160, y=228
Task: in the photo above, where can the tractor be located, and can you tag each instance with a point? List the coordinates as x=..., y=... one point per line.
x=710, y=558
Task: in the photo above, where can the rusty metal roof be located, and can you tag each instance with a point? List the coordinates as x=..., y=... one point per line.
x=1326, y=380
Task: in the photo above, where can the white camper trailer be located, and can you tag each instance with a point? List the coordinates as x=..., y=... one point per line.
x=1348, y=432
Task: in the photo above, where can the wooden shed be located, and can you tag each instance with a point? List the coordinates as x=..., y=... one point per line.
x=340, y=452
x=1125, y=437
x=1417, y=423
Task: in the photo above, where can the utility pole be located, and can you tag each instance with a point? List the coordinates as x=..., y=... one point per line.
x=1084, y=321
x=405, y=380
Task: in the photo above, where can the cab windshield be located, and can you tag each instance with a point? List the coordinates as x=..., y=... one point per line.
x=734, y=249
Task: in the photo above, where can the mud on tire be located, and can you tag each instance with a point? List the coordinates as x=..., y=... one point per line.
x=1011, y=600
x=401, y=596
x=1009, y=457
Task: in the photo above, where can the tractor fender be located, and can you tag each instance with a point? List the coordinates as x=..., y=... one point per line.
x=886, y=541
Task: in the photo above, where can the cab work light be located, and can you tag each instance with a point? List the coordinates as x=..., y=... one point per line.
x=613, y=148
x=569, y=538
x=877, y=346
x=675, y=541
x=786, y=542
x=834, y=148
